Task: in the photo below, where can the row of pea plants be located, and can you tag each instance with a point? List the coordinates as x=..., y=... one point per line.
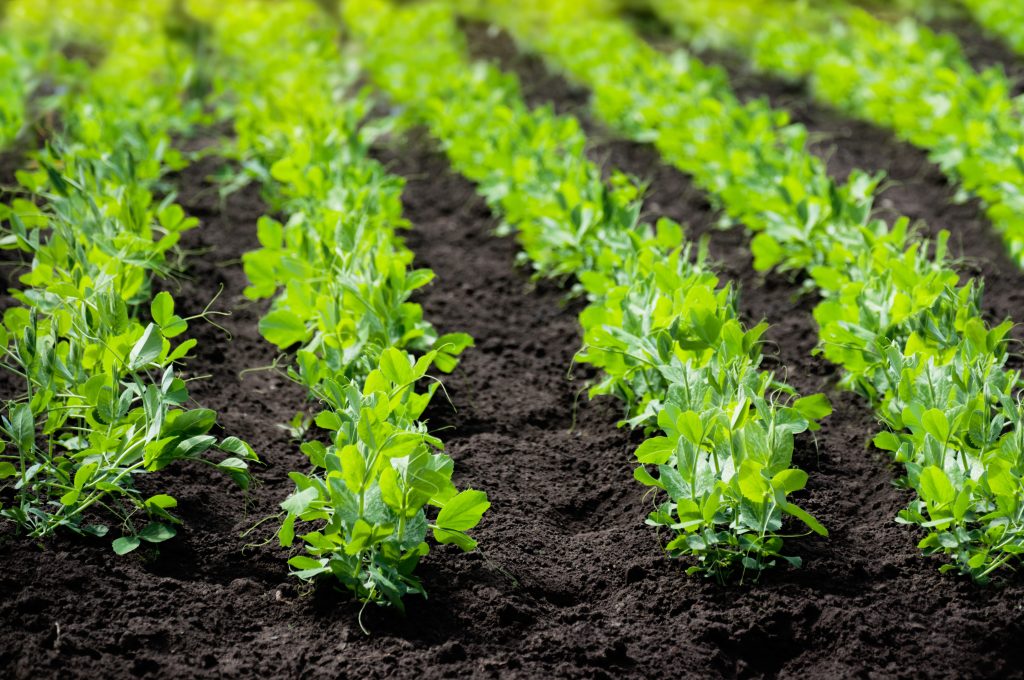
x=661, y=327
x=910, y=338
x=340, y=279
x=20, y=62
x=101, y=399
x=903, y=77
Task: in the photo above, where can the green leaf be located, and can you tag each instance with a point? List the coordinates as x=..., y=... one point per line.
x=656, y=451
x=641, y=475
x=238, y=447
x=353, y=468
x=162, y=501
x=934, y=485
x=395, y=366
x=402, y=444
x=286, y=534
x=190, y=423
x=125, y=544
x=886, y=441
x=181, y=350
x=453, y=343
x=237, y=469
x=7, y=470
x=23, y=428
x=191, y=447
x=84, y=474
x=712, y=505
x=282, y=328
x=691, y=427
x=390, y=490
x=162, y=308
x=767, y=251
x=805, y=517
x=464, y=542
x=448, y=347
x=935, y=423
x=307, y=567
x=673, y=482
x=464, y=511
x=366, y=535
x=753, y=485
x=299, y=502
x=328, y=420
x=156, y=532
x=147, y=349
x=790, y=480
x=813, y=407
x=270, y=232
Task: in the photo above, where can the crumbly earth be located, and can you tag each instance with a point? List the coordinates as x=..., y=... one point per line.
x=570, y=583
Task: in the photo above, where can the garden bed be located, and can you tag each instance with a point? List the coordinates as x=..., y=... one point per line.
x=569, y=581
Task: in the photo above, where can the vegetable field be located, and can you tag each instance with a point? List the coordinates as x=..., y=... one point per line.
x=562, y=338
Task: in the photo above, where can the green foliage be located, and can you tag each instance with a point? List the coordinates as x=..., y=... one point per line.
x=19, y=61
x=371, y=485
x=894, y=315
x=902, y=76
x=1004, y=19
x=340, y=280
x=102, y=401
x=660, y=327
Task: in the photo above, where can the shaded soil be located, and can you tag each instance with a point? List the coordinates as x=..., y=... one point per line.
x=571, y=583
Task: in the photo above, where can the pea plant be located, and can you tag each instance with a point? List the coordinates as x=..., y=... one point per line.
x=102, y=399
x=1003, y=19
x=373, y=483
x=724, y=458
x=20, y=61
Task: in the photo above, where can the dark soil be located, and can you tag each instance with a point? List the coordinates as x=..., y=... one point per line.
x=573, y=584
